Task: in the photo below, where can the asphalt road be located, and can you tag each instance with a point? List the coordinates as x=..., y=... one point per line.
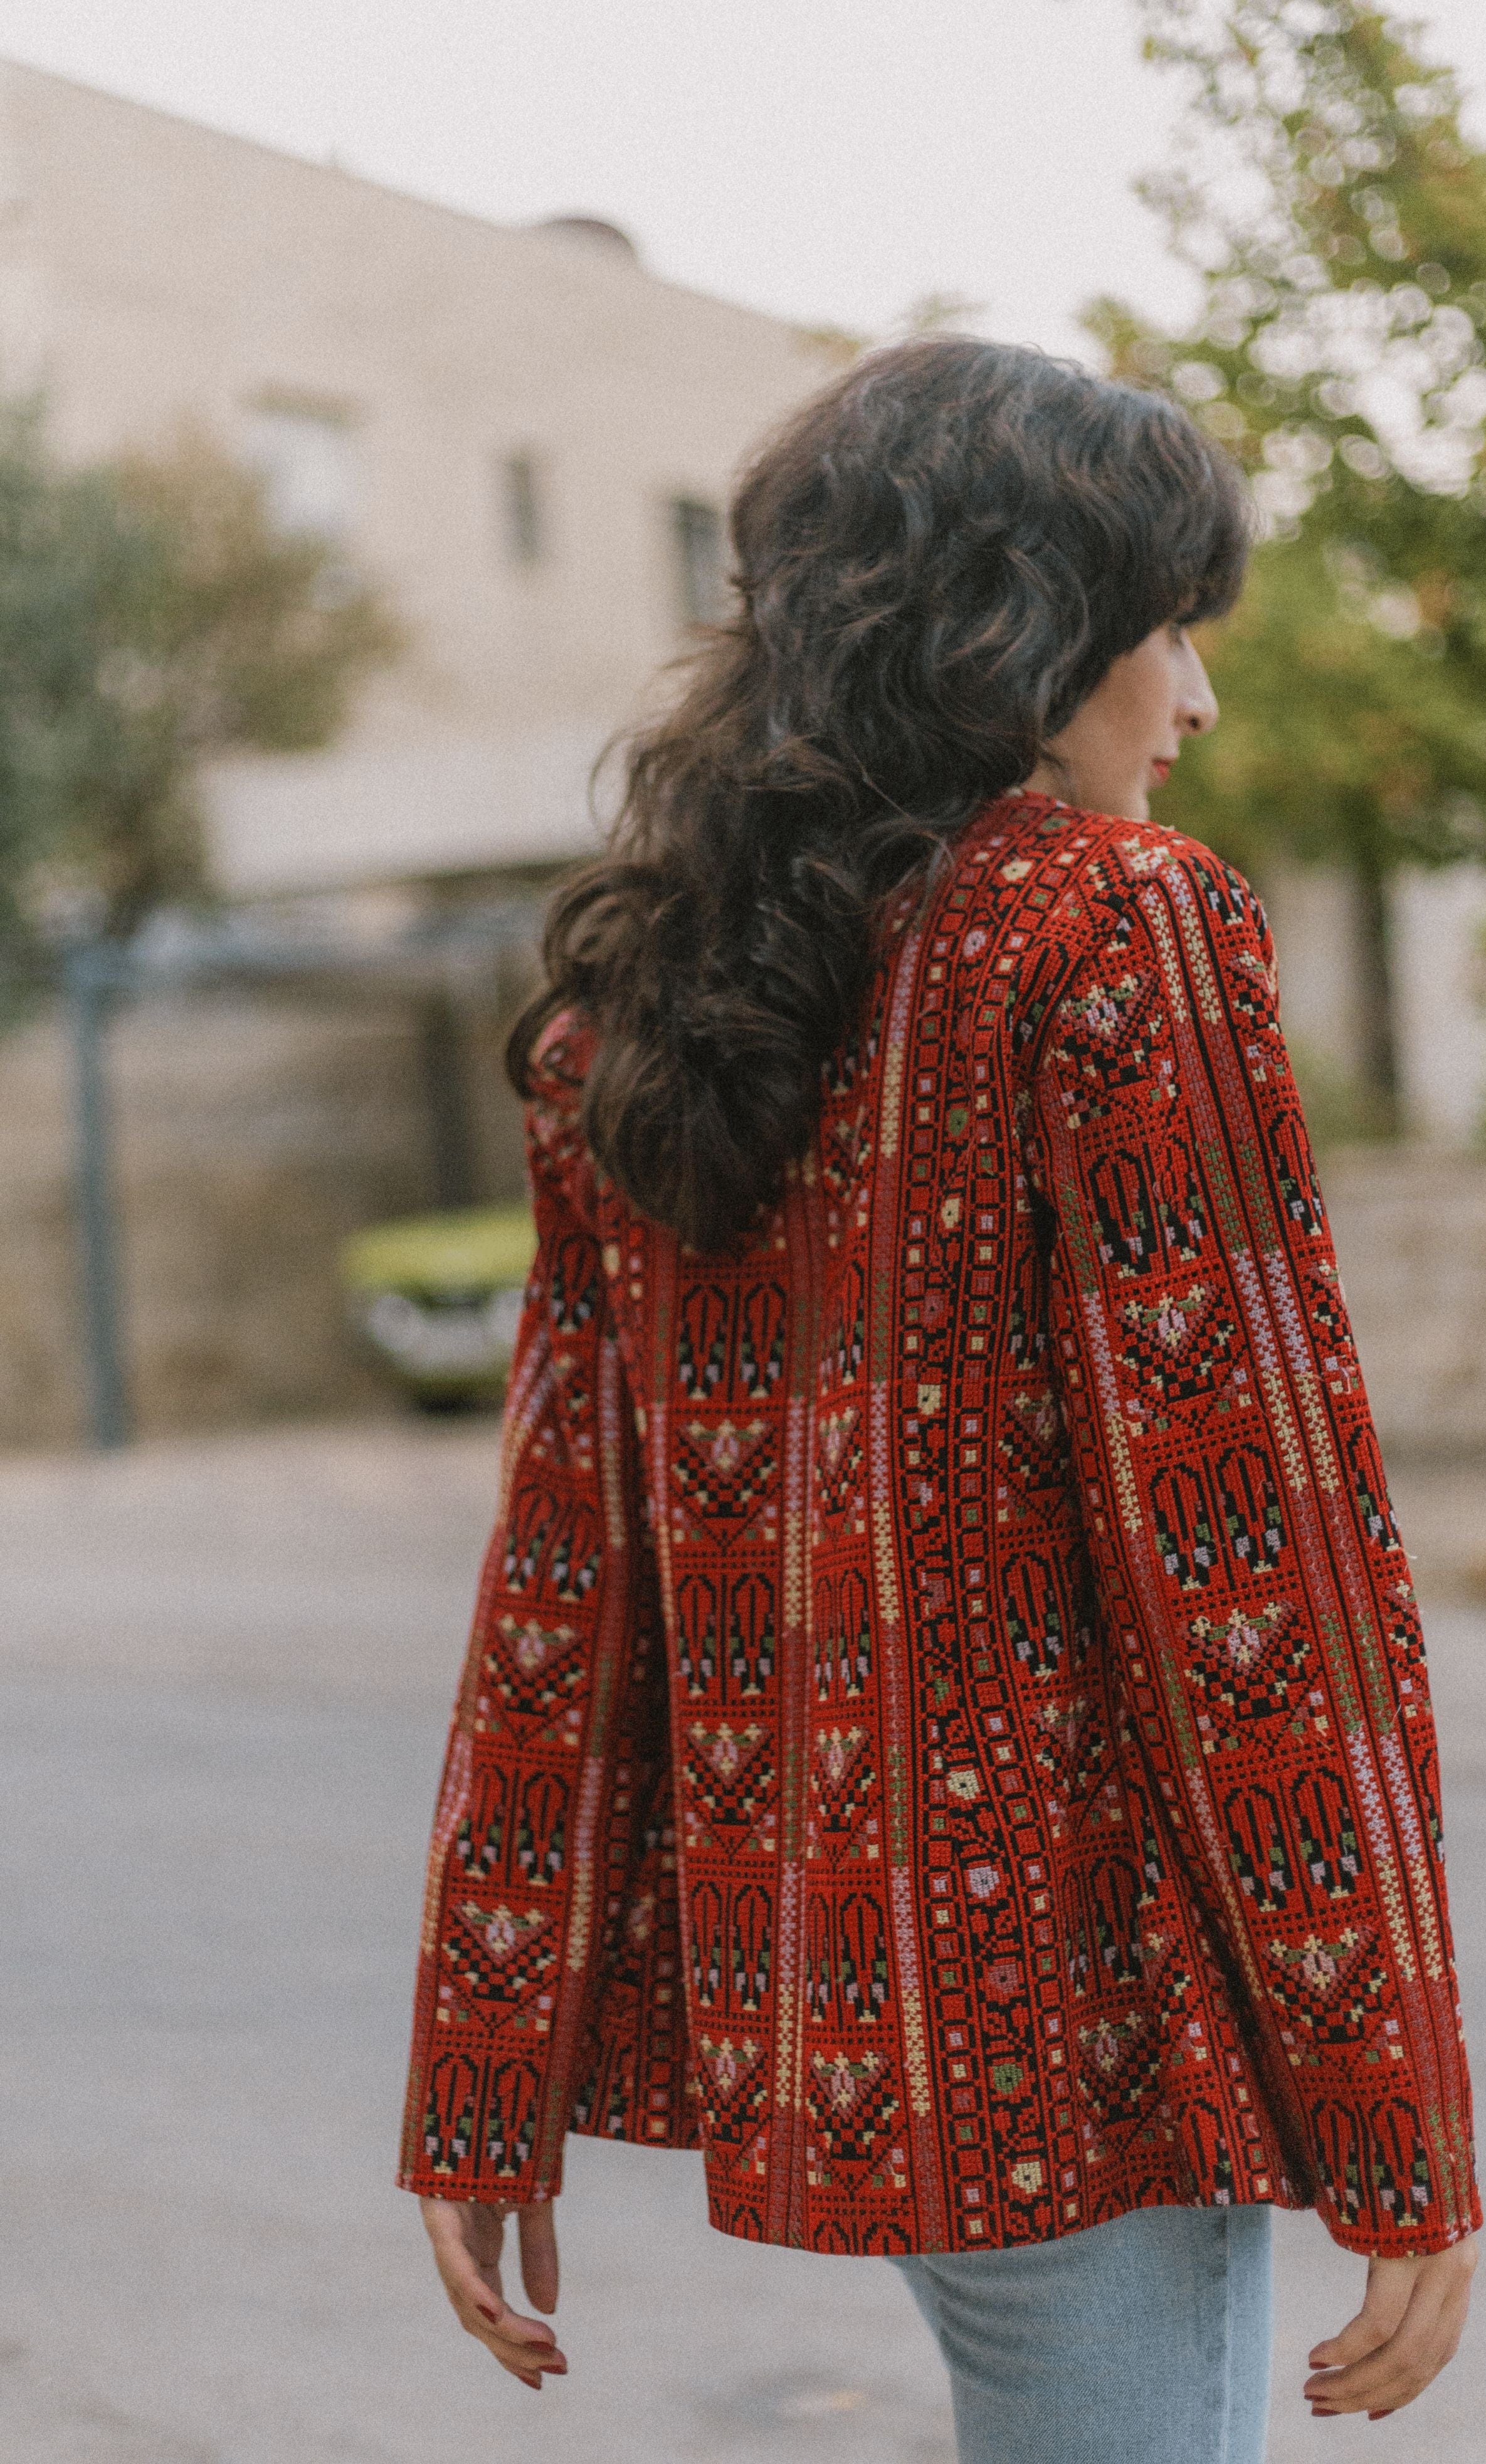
x=224, y=1679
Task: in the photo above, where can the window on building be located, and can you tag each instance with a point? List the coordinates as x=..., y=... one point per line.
x=307, y=461
x=702, y=577
x=520, y=509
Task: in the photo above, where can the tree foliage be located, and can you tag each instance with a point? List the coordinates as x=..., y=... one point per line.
x=1336, y=217
x=152, y=616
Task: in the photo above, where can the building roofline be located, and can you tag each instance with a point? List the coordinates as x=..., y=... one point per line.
x=628, y=269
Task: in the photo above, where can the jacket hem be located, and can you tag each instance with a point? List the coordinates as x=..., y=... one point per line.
x=744, y=2222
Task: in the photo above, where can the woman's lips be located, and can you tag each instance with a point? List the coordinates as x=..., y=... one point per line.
x=1162, y=771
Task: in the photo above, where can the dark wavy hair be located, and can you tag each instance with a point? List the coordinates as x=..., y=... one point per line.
x=936, y=560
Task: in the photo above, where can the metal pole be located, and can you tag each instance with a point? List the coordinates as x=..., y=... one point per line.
x=447, y=1096
x=89, y=988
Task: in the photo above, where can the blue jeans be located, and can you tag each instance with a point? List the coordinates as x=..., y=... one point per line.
x=1141, y=2341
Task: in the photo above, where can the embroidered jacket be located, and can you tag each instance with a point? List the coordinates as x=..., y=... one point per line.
x=945, y=1728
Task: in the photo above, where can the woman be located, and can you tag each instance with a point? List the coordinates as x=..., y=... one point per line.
x=945, y=1728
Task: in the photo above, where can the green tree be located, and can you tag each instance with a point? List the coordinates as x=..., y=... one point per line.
x=1336, y=217
x=152, y=616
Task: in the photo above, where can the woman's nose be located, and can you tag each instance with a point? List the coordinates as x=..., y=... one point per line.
x=1198, y=710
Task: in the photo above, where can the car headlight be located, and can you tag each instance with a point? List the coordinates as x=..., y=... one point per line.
x=460, y=1336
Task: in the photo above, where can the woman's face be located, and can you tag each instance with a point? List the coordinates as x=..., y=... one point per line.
x=1120, y=743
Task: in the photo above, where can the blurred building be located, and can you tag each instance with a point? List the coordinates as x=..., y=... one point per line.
x=523, y=434
x=527, y=441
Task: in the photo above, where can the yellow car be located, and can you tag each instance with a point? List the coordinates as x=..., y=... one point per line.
x=439, y=1298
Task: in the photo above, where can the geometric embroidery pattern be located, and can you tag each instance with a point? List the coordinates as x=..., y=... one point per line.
x=946, y=1727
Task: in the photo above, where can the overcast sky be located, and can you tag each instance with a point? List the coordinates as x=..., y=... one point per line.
x=830, y=160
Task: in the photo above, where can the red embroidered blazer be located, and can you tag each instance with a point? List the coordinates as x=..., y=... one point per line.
x=945, y=1728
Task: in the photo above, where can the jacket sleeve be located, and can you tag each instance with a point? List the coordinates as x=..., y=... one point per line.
x=535, y=1837
x=1255, y=1596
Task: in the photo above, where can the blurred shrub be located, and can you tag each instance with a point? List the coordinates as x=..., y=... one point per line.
x=151, y=615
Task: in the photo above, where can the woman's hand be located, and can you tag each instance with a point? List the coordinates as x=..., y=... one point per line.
x=1406, y=2331
x=466, y=2239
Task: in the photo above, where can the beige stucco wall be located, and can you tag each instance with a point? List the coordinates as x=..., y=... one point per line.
x=1310, y=915
x=1438, y=957
x=250, y=1137
x=1439, y=939
x=151, y=268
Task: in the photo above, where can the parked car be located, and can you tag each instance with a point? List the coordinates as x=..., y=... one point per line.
x=437, y=1298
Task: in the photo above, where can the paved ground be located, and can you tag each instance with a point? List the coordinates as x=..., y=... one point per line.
x=245, y=1649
